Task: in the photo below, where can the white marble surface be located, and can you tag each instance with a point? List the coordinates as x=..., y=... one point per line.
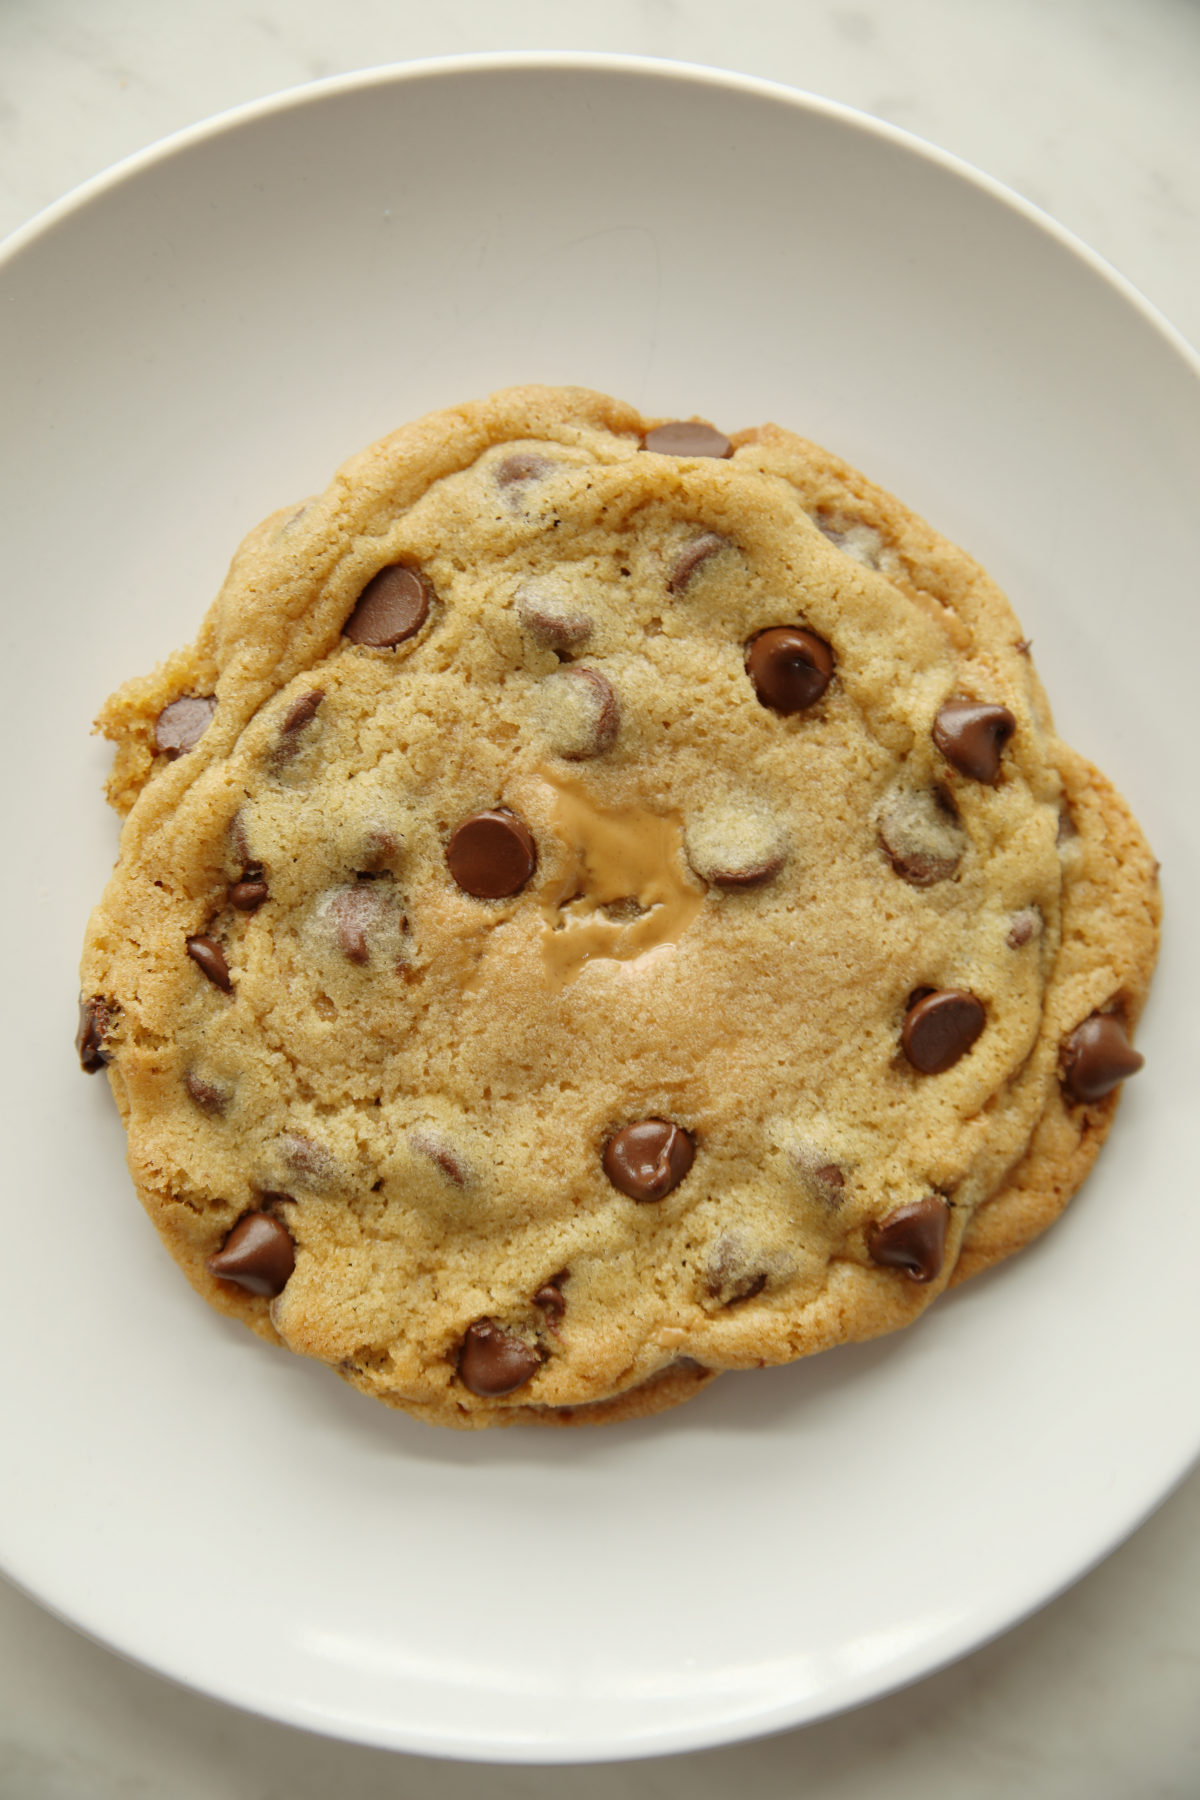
x=1088, y=107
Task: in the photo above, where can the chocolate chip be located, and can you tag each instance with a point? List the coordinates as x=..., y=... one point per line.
x=687, y=437
x=920, y=835
x=354, y=911
x=648, y=1158
x=249, y=893
x=854, y=537
x=917, y=867
x=735, y=845
x=182, y=724
x=731, y=1274
x=831, y=1177
x=1097, y=1057
x=493, y=1361
x=209, y=957
x=440, y=1153
x=581, y=713
x=691, y=557
x=304, y=1157
x=392, y=607
x=972, y=737
x=789, y=667
x=1025, y=925
x=491, y=854
x=95, y=1022
x=625, y=910
x=522, y=466
x=550, y=1298
x=377, y=849
x=258, y=1255
x=302, y=712
x=208, y=1097
x=940, y=1028
x=551, y=615
x=912, y=1238
x=754, y=877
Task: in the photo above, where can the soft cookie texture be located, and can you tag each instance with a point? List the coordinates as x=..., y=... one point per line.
x=602, y=902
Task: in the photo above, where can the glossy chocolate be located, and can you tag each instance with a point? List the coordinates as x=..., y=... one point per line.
x=493, y=1361
x=392, y=607
x=789, y=668
x=258, y=1255
x=491, y=854
x=1097, y=1057
x=972, y=737
x=912, y=1238
x=940, y=1028
x=648, y=1158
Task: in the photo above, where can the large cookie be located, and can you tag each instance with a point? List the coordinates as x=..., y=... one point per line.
x=600, y=905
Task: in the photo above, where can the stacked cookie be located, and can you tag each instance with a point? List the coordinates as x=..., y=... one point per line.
x=603, y=903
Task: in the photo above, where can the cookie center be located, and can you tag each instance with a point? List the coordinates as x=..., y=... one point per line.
x=628, y=890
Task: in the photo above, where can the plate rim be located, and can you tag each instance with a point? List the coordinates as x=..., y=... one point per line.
x=926, y=1660
x=618, y=63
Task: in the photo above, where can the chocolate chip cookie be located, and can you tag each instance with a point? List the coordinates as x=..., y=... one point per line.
x=603, y=902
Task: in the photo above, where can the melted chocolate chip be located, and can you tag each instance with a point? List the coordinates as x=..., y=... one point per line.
x=854, y=537
x=691, y=557
x=1097, y=1057
x=302, y=712
x=258, y=1255
x=1027, y=924
x=354, y=911
x=731, y=1274
x=439, y=1152
x=209, y=957
x=789, y=667
x=182, y=724
x=755, y=876
x=625, y=910
x=522, y=466
x=940, y=1027
x=550, y=614
x=377, y=850
x=208, y=1097
x=493, y=1361
x=580, y=739
x=917, y=867
x=304, y=1157
x=392, y=607
x=972, y=737
x=687, y=437
x=249, y=893
x=920, y=834
x=831, y=1177
x=912, y=1238
x=550, y=1298
x=95, y=1022
x=491, y=854
x=648, y=1158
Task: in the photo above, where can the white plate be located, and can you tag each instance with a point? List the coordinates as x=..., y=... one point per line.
x=199, y=338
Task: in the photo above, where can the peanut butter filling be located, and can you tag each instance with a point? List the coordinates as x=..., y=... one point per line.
x=628, y=891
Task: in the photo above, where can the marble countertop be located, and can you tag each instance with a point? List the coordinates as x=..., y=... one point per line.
x=1088, y=108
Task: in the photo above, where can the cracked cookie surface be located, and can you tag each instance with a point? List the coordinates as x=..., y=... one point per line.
x=602, y=903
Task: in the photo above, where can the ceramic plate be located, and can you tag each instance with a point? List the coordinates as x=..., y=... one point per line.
x=201, y=337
